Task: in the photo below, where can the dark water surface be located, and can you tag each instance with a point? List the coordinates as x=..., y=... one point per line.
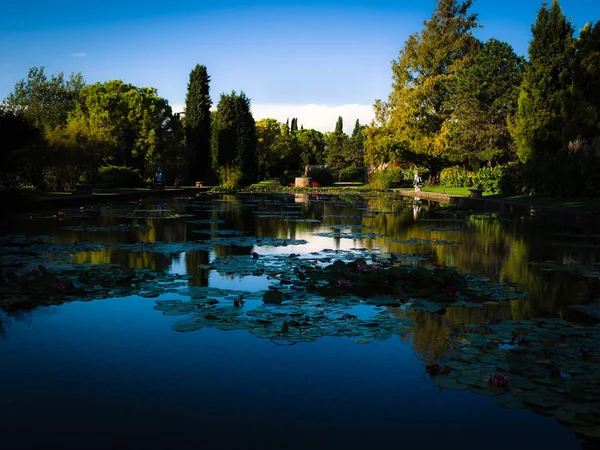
x=112, y=373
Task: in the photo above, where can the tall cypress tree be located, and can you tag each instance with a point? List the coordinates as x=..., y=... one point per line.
x=544, y=96
x=197, y=124
x=339, y=125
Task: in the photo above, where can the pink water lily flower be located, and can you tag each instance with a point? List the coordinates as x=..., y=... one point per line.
x=449, y=291
x=498, y=380
x=344, y=283
x=361, y=266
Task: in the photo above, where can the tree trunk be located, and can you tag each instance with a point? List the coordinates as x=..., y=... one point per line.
x=432, y=180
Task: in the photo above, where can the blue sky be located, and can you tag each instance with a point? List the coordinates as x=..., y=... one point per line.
x=313, y=60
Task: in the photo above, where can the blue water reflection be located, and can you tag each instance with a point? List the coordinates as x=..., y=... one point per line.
x=112, y=373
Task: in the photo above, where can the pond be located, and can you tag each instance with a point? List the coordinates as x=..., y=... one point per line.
x=297, y=321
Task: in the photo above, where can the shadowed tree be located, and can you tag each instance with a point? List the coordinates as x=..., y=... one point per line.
x=544, y=97
x=22, y=154
x=585, y=103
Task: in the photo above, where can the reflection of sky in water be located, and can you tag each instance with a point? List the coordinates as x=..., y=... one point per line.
x=178, y=265
x=248, y=283
x=315, y=244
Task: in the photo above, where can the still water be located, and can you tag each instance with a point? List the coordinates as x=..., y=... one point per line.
x=111, y=372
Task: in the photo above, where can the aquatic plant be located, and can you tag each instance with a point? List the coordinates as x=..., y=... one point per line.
x=498, y=380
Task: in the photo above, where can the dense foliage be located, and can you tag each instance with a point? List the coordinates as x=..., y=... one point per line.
x=118, y=177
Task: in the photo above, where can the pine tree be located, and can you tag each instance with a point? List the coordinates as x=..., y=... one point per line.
x=294, y=126
x=544, y=96
x=197, y=124
x=484, y=95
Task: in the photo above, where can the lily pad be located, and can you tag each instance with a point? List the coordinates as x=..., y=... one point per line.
x=449, y=383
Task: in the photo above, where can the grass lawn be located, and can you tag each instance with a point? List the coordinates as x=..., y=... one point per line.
x=463, y=192
x=552, y=201
x=266, y=183
x=529, y=200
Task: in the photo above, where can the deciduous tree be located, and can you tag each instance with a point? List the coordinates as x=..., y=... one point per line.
x=420, y=102
x=45, y=102
x=134, y=126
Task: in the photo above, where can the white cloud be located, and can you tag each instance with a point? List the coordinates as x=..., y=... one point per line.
x=79, y=55
x=319, y=117
x=177, y=108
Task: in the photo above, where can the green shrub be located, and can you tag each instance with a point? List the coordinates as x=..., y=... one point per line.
x=391, y=177
x=289, y=176
x=456, y=177
x=351, y=174
x=118, y=177
x=514, y=179
x=488, y=179
x=321, y=174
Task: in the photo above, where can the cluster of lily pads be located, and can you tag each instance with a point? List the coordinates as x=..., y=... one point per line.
x=41, y=286
x=422, y=242
x=547, y=365
x=153, y=214
x=107, y=228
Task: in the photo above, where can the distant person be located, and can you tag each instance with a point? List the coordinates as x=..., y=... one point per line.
x=417, y=181
x=178, y=181
x=159, y=177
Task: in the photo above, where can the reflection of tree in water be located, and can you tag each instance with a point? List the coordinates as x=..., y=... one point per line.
x=123, y=258
x=431, y=339
x=199, y=275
